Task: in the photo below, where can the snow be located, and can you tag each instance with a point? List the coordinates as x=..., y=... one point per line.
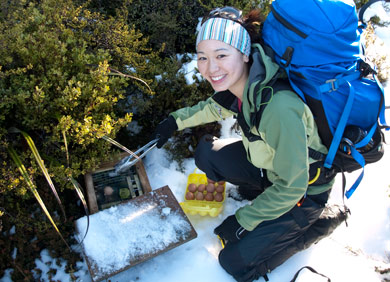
x=351, y=253
x=188, y=70
x=12, y=230
x=14, y=253
x=45, y=263
x=129, y=231
x=380, y=9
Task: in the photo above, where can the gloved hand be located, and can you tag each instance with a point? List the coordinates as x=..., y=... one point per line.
x=164, y=130
x=230, y=230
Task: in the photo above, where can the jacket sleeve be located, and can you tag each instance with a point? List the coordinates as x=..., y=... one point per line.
x=284, y=128
x=201, y=113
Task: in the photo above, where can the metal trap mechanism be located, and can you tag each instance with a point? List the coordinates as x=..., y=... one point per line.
x=106, y=188
x=112, y=190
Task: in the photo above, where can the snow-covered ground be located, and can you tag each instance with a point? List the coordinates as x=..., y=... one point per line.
x=354, y=253
x=350, y=254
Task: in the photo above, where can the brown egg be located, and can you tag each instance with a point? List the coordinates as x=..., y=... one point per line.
x=219, y=189
x=209, y=197
x=210, y=188
x=201, y=187
x=192, y=187
x=190, y=196
x=108, y=190
x=210, y=181
x=221, y=182
x=218, y=197
x=199, y=196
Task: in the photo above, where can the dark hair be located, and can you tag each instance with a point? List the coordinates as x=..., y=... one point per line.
x=253, y=23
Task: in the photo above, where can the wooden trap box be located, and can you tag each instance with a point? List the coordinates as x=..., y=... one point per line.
x=105, y=190
x=132, y=232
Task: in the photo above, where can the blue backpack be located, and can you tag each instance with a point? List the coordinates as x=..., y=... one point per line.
x=317, y=43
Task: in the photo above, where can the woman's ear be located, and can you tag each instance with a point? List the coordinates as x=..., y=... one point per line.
x=246, y=59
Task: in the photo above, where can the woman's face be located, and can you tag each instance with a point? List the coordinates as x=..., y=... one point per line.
x=223, y=66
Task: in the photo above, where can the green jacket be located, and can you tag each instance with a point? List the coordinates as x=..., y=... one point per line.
x=287, y=130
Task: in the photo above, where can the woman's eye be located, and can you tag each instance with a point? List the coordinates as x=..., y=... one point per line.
x=201, y=58
x=221, y=56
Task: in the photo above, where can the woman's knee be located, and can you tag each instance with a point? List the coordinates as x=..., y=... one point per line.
x=203, y=152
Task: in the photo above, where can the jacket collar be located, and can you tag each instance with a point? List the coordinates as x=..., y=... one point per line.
x=261, y=71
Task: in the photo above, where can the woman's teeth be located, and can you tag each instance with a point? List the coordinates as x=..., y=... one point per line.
x=216, y=78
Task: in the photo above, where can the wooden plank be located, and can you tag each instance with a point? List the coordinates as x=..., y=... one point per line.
x=91, y=196
x=139, y=166
x=159, y=199
x=110, y=164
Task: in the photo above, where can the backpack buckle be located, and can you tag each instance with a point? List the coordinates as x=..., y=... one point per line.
x=287, y=57
x=346, y=145
x=300, y=202
x=333, y=83
x=366, y=68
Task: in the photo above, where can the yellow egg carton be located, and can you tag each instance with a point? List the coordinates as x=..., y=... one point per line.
x=202, y=207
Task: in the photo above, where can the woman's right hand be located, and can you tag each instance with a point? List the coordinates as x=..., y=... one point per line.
x=164, y=131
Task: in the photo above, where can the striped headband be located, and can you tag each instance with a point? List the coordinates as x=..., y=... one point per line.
x=227, y=31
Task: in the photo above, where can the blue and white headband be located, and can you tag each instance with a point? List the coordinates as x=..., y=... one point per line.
x=227, y=31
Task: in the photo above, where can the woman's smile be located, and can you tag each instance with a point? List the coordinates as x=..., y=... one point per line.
x=217, y=78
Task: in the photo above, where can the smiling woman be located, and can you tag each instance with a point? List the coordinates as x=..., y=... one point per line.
x=270, y=163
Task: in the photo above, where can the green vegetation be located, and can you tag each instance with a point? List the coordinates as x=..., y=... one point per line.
x=56, y=61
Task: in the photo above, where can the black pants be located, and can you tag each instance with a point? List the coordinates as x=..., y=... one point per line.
x=225, y=159
x=271, y=242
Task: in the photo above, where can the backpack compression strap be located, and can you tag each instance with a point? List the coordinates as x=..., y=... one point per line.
x=365, y=7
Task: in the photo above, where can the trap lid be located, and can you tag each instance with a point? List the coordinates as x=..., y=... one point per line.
x=132, y=232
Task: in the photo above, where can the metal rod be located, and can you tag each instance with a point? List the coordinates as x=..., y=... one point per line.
x=131, y=160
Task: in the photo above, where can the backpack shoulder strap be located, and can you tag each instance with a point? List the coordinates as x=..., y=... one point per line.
x=275, y=85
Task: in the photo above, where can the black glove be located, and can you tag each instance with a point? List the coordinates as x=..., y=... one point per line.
x=164, y=131
x=230, y=230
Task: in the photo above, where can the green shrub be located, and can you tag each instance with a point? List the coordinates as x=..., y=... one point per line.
x=360, y=3
x=170, y=25
x=54, y=80
x=56, y=62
